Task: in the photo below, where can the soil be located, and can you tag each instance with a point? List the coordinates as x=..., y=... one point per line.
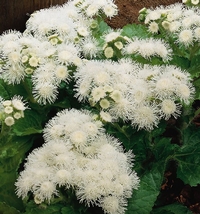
x=128, y=10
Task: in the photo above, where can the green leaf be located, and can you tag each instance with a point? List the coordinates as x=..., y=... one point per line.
x=68, y=210
x=5, y=209
x=172, y=209
x=144, y=198
x=3, y=92
x=32, y=208
x=135, y=30
x=188, y=157
x=163, y=149
x=13, y=150
x=30, y=124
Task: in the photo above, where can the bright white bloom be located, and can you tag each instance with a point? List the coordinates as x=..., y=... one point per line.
x=169, y=108
x=153, y=27
x=98, y=93
x=148, y=48
x=108, y=52
x=105, y=116
x=110, y=36
x=104, y=103
x=145, y=117
x=110, y=10
x=62, y=73
x=8, y=109
x=90, y=47
x=186, y=37
x=9, y=121
x=45, y=92
x=91, y=162
x=127, y=91
x=33, y=61
x=195, y=2
x=18, y=104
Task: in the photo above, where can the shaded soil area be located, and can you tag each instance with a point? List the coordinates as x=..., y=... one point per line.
x=15, y=13
x=128, y=10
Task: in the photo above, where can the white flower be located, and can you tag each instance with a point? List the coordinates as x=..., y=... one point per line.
x=7, y=103
x=14, y=57
x=61, y=73
x=185, y=92
x=83, y=31
x=112, y=205
x=29, y=70
x=174, y=26
x=116, y=96
x=98, y=93
x=113, y=35
x=166, y=25
x=100, y=173
x=186, y=37
x=195, y=2
x=110, y=10
x=63, y=177
x=90, y=47
x=164, y=87
x=45, y=92
x=18, y=104
x=17, y=115
x=104, y=103
x=9, y=121
x=64, y=56
x=145, y=117
x=169, y=107
x=118, y=45
x=92, y=10
x=33, y=61
x=79, y=139
x=153, y=27
x=105, y=116
x=8, y=109
x=101, y=78
x=45, y=190
x=108, y=52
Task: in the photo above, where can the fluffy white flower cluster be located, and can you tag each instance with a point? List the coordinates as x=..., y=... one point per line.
x=71, y=22
x=11, y=110
x=93, y=7
x=79, y=155
x=142, y=95
x=179, y=21
x=45, y=64
x=113, y=43
x=148, y=48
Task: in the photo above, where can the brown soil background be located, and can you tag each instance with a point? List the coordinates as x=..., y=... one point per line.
x=15, y=13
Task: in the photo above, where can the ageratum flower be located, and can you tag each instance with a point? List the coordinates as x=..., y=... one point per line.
x=83, y=158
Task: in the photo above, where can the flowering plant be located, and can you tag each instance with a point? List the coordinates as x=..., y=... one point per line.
x=92, y=117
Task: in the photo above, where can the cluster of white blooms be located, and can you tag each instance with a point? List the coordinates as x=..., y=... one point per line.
x=191, y=2
x=72, y=22
x=141, y=94
x=45, y=64
x=78, y=154
x=93, y=7
x=11, y=110
x=148, y=48
x=113, y=43
x=179, y=21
